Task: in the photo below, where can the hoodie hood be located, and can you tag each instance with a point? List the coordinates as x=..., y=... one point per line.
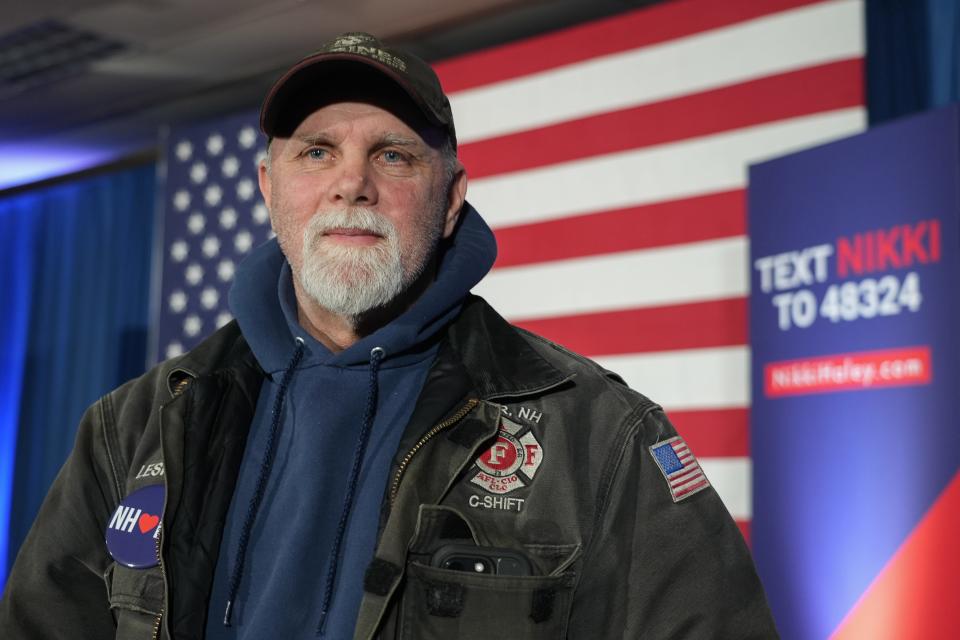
x=263, y=301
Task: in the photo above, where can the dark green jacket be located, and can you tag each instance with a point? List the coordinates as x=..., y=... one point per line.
x=571, y=484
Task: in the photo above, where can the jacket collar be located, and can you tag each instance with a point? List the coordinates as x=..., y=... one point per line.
x=500, y=362
x=226, y=349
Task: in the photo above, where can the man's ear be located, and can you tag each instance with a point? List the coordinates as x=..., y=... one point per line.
x=263, y=178
x=456, y=196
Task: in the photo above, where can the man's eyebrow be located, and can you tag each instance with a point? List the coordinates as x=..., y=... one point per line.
x=315, y=138
x=387, y=139
x=399, y=140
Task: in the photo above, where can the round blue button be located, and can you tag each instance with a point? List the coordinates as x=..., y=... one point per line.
x=133, y=532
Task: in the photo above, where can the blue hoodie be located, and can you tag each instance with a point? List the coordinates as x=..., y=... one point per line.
x=287, y=570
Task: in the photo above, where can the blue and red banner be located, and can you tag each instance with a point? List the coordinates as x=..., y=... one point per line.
x=854, y=323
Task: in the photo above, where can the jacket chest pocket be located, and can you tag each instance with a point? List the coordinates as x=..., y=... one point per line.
x=136, y=600
x=440, y=603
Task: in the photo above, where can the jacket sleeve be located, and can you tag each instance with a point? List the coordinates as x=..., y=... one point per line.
x=56, y=588
x=659, y=569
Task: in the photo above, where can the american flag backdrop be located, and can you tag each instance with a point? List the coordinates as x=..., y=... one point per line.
x=610, y=159
x=213, y=216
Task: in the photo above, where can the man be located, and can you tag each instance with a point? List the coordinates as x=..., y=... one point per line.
x=370, y=451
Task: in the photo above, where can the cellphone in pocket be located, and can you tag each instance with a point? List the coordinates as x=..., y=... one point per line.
x=482, y=560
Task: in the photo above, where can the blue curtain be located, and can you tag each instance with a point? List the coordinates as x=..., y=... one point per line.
x=943, y=23
x=75, y=278
x=913, y=56
x=16, y=276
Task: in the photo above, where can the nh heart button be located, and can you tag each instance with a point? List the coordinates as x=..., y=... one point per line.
x=134, y=528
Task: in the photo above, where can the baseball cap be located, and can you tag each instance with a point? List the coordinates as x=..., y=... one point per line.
x=344, y=63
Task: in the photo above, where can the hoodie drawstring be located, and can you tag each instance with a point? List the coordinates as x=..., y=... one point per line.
x=265, y=466
x=376, y=357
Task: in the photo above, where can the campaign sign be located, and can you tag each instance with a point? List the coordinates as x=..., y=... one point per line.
x=855, y=381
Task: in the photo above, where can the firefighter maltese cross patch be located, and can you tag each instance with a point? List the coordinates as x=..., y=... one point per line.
x=516, y=455
x=679, y=467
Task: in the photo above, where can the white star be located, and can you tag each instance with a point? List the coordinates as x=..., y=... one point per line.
x=260, y=157
x=209, y=298
x=260, y=213
x=211, y=246
x=198, y=172
x=223, y=318
x=178, y=301
x=225, y=270
x=215, y=144
x=196, y=222
x=243, y=241
x=245, y=189
x=212, y=195
x=194, y=274
x=179, y=250
x=247, y=137
x=181, y=200
x=174, y=349
x=228, y=218
x=192, y=325
x=230, y=166
x=184, y=150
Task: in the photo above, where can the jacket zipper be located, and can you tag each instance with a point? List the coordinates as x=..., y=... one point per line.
x=177, y=390
x=163, y=573
x=181, y=386
x=446, y=424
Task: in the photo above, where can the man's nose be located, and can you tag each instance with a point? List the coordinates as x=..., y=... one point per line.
x=354, y=184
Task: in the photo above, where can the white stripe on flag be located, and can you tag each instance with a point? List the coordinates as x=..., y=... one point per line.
x=697, y=271
x=781, y=42
x=652, y=174
x=731, y=478
x=689, y=379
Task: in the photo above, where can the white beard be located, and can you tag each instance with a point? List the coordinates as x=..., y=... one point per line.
x=350, y=281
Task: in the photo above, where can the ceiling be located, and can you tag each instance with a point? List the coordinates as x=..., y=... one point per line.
x=85, y=82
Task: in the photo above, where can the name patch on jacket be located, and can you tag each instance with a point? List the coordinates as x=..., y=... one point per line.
x=679, y=467
x=515, y=455
x=133, y=532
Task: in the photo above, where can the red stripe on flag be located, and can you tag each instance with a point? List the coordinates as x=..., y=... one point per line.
x=631, y=30
x=694, y=476
x=715, y=433
x=915, y=596
x=744, y=526
x=687, y=490
x=717, y=215
x=827, y=87
x=685, y=326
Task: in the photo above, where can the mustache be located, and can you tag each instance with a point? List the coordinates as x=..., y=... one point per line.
x=360, y=218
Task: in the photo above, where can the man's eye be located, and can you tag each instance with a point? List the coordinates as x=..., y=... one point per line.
x=317, y=154
x=393, y=157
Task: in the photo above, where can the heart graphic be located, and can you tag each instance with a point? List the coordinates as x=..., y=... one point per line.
x=148, y=522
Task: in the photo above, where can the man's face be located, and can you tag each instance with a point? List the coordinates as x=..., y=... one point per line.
x=358, y=201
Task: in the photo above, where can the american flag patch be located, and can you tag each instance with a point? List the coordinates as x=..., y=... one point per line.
x=680, y=468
